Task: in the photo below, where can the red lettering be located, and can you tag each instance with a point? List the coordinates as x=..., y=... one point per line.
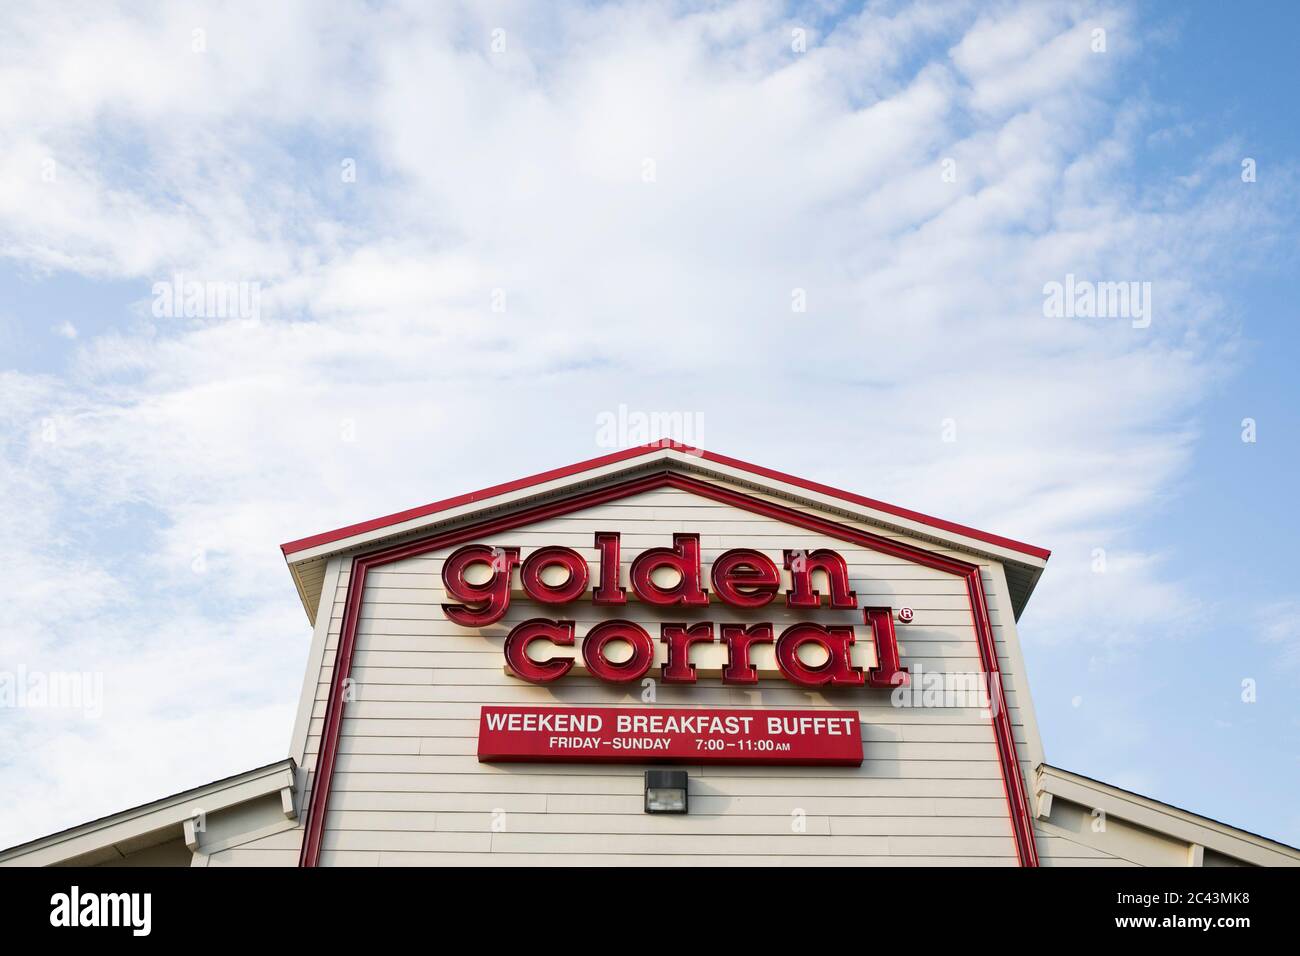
x=482, y=604
x=802, y=564
x=837, y=669
x=684, y=558
x=575, y=583
x=745, y=578
x=678, y=669
x=538, y=629
x=738, y=640
x=741, y=577
x=618, y=672
x=608, y=591
x=887, y=672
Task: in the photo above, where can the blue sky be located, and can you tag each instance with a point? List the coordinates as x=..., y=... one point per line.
x=1226, y=523
x=644, y=188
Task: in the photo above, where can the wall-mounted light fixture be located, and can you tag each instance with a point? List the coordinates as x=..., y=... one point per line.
x=665, y=791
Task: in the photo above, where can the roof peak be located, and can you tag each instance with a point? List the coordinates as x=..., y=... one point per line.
x=640, y=451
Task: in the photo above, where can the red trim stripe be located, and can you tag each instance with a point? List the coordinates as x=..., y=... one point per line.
x=1013, y=783
x=376, y=524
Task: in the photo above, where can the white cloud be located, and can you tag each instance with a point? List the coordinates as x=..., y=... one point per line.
x=1280, y=625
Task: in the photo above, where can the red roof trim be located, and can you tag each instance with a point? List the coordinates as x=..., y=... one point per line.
x=447, y=503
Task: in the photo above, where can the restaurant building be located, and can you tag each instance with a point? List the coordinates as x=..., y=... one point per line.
x=661, y=656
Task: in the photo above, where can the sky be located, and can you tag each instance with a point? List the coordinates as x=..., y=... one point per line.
x=820, y=237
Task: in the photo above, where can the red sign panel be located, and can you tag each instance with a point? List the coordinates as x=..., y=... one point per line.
x=670, y=735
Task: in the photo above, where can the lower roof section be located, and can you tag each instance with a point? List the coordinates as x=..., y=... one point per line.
x=189, y=817
x=1114, y=825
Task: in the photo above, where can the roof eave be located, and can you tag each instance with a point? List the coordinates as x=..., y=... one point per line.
x=368, y=534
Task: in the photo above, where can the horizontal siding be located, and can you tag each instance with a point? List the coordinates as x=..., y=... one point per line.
x=500, y=857
x=1055, y=849
x=626, y=804
x=875, y=766
x=254, y=857
x=390, y=698
x=695, y=823
x=394, y=684
x=408, y=788
x=463, y=702
x=276, y=849
x=574, y=844
x=588, y=779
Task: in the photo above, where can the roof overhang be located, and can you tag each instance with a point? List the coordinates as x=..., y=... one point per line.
x=1192, y=828
x=307, y=557
x=120, y=834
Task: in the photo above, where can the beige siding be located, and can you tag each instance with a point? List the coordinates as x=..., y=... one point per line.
x=408, y=788
x=256, y=833
x=1074, y=835
x=276, y=849
x=172, y=853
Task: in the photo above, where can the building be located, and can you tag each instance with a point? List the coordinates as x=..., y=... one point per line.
x=492, y=676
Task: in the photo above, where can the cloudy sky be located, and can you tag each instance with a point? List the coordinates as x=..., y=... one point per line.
x=819, y=234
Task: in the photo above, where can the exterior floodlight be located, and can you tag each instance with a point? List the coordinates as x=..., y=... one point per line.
x=665, y=791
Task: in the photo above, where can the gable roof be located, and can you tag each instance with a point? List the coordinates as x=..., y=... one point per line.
x=128, y=831
x=307, y=556
x=1164, y=818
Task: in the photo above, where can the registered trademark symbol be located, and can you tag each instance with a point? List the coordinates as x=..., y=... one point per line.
x=905, y=615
